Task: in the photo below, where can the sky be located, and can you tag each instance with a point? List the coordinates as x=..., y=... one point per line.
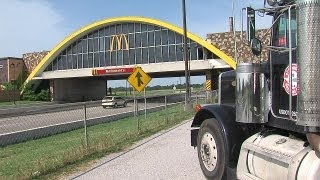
x=37, y=25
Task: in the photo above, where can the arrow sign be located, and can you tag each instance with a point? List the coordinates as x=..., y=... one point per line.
x=138, y=76
x=139, y=79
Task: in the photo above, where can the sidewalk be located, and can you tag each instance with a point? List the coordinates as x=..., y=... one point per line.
x=166, y=155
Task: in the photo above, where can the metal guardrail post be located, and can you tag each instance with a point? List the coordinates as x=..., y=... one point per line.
x=197, y=98
x=85, y=126
x=165, y=106
x=137, y=115
x=207, y=96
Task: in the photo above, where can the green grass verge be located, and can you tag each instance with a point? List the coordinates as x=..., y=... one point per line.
x=150, y=92
x=51, y=156
x=11, y=104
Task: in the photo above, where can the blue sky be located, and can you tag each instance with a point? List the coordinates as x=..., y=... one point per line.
x=36, y=25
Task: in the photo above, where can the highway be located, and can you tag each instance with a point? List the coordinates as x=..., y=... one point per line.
x=27, y=122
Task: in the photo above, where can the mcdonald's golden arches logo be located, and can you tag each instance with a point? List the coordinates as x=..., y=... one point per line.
x=121, y=42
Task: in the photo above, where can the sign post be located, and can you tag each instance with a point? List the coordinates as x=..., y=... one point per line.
x=139, y=80
x=134, y=103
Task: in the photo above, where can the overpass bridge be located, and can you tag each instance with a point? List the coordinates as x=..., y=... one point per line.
x=79, y=67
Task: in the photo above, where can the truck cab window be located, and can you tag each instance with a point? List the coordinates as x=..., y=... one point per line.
x=281, y=38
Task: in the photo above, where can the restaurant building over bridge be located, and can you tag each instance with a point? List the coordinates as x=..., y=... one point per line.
x=79, y=67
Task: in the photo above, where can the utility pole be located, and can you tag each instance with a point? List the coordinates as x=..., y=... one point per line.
x=180, y=84
x=188, y=105
x=13, y=81
x=234, y=30
x=126, y=88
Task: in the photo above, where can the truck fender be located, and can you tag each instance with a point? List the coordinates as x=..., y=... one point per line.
x=234, y=133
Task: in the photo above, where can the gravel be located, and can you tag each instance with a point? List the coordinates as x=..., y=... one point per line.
x=166, y=155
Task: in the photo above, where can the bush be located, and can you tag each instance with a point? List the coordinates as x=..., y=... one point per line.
x=30, y=95
x=8, y=86
x=43, y=95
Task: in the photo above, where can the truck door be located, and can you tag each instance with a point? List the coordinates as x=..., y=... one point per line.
x=280, y=70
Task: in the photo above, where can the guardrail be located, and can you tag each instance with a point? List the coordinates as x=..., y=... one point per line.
x=22, y=111
x=40, y=109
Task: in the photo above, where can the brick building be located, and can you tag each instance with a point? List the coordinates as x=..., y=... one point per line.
x=10, y=69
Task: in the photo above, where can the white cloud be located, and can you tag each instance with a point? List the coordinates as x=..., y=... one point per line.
x=28, y=26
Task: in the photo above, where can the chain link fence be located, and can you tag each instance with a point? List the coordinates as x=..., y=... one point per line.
x=33, y=144
x=205, y=97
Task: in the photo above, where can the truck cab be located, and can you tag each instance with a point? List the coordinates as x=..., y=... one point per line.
x=267, y=122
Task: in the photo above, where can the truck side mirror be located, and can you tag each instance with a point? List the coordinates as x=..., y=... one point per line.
x=256, y=46
x=251, y=25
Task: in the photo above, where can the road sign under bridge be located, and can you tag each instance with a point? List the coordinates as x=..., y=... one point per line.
x=139, y=79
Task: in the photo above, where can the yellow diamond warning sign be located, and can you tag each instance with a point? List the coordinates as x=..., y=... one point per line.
x=139, y=79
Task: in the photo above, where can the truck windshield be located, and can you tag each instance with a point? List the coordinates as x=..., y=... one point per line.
x=281, y=31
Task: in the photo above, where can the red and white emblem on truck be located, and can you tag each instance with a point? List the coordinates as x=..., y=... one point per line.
x=295, y=80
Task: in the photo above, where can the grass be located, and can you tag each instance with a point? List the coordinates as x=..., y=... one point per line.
x=11, y=104
x=52, y=156
x=148, y=93
x=151, y=92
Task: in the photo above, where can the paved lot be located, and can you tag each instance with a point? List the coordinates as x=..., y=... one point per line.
x=163, y=156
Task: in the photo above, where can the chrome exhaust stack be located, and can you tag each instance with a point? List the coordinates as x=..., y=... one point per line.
x=308, y=20
x=308, y=107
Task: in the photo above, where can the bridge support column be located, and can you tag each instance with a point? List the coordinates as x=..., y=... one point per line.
x=81, y=89
x=211, y=86
x=51, y=89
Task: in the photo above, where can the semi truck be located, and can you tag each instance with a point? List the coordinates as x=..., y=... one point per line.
x=266, y=124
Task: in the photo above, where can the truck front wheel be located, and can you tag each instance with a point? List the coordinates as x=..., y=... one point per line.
x=211, y=150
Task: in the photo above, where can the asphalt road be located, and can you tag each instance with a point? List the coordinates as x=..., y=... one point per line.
x=167, y=155
x=20, y=123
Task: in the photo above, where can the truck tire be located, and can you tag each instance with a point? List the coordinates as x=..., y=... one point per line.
x=211, y=150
